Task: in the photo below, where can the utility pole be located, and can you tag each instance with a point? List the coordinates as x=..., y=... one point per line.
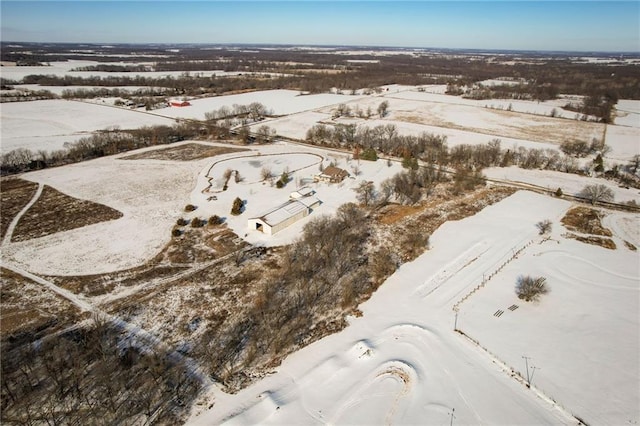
x=526, y=363
x=452, y=416
x=533, y=370
x=455, y=322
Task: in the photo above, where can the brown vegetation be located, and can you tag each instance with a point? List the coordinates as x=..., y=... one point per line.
x=607, y=243
x=585, y=220
x=56, y=212
x=30, y=311
x=186, y=152
x=15, y=193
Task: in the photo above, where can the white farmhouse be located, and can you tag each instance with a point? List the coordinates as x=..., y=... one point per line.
x=284, y=215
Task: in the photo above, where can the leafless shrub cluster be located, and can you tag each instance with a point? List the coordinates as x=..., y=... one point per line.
x=544, y=226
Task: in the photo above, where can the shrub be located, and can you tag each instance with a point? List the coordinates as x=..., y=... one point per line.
x=197, y=223
x=410, y=163
x=189, y=208
x=544, y=226
x=238, y=204
x=559, y=192
x=176, y=232
x=215, y=220
x=530, y=288
x=369, y=154
x=182, y=221
x=284, y=179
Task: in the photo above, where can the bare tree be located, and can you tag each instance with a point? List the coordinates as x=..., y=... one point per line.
x=366, y=193
x=596, y=193
x=266, y=174
x=530, y=288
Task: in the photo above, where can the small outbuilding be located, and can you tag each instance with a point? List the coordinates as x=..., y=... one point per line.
x=332, y=174
x=284, y=215
x=305, y=191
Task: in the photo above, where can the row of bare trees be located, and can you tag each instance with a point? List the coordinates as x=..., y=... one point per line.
x=433, y=149
x=107, y=142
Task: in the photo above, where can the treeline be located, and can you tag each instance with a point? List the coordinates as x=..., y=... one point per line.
x=26, y=95
x=223, y=123
x=433, y=150
x=106, y=142
x=112, y=68
x=92, y=375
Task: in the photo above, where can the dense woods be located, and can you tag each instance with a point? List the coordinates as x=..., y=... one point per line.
x=90, y=373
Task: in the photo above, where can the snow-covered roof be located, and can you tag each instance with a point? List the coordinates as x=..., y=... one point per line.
x=305, y=191
x=289, y=209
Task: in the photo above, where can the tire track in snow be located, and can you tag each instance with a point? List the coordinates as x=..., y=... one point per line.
x=12, y=226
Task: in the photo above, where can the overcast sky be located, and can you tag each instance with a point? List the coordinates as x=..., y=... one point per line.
x=519, y=25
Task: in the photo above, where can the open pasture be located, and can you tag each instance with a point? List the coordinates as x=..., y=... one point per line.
x=49, y=124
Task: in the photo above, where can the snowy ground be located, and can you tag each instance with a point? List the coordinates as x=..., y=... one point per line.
x=282, y=102
x=302, y=163
x=569, y=183
x=463, y=121
x=583, y=337
x=49, y=124
x=527, y=107
x=401, y=363
x=152, y=194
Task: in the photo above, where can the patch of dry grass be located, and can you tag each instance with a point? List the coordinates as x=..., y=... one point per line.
x=593, y=240
x=186, y=152
x=56, y=212
x=30, y=311
x=395, y=212
x=585, y=220
x=15, y=194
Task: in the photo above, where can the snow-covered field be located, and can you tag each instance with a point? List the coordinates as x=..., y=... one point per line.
x=282, y=102
x=402, y=363
x=628, y=113
x=527, y=107
x=569, y=183
x=152, y=194
x=48, y=124
x=583, y=337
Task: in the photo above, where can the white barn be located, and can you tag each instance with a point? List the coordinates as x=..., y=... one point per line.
x=284, y=215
